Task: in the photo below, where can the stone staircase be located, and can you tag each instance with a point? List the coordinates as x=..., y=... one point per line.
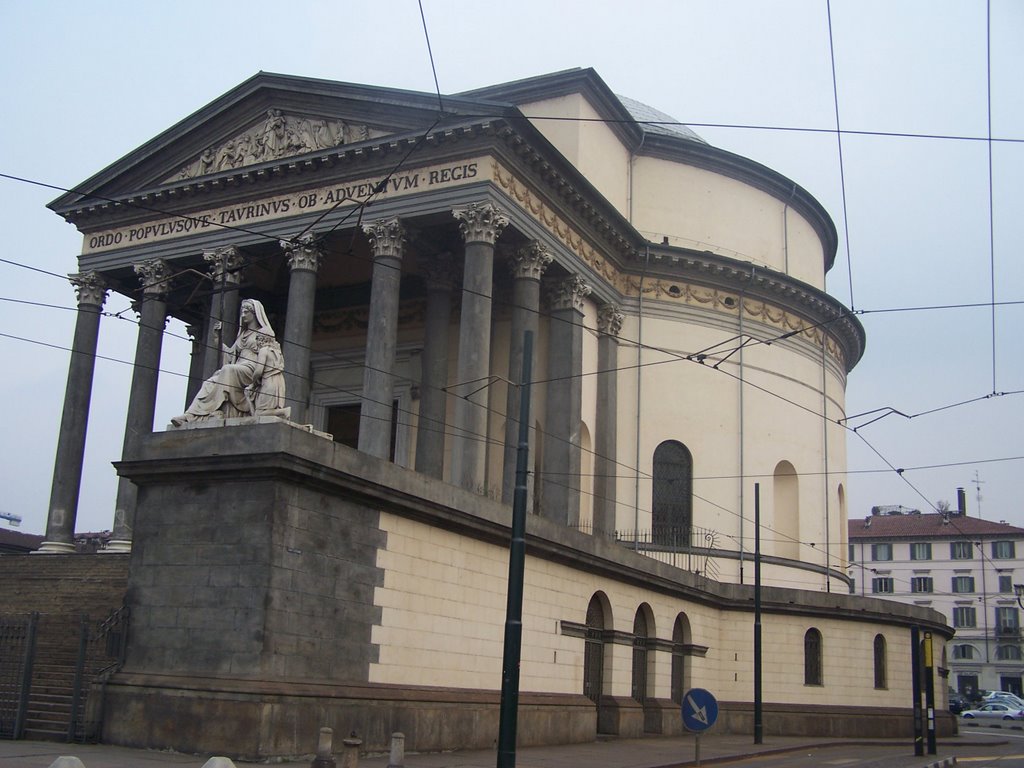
x=62, y=589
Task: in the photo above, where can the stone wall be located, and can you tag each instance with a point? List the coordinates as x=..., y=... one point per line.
x=63, y=585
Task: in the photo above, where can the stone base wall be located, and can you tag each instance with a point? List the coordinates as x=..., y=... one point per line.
x=250, y=720
x=838, y=722
x=281, y=583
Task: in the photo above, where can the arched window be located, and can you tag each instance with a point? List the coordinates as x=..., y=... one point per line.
x=680, y=638
x=812, y=657
x=965, y=652
x=593, y=651
x=881, y=676
x=641, y=634
x=1008, y=653
x=672, y=502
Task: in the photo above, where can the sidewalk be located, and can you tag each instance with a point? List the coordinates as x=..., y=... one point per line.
x=617, y=753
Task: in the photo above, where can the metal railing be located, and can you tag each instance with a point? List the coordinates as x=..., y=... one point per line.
x=688, y=548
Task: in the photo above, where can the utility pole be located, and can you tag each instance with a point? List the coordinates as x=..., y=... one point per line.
x=758, y=704
x=508, y=718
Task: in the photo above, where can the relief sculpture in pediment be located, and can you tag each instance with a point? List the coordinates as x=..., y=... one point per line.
x=278, y=136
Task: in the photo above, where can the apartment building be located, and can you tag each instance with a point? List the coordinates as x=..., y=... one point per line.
x=964, y=567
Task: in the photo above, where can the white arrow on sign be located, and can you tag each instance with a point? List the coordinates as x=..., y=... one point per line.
x=699, y=713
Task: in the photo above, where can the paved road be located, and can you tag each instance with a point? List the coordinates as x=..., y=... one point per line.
x=977, y=748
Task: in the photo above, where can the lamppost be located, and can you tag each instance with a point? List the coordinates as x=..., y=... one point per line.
x=1018, y=590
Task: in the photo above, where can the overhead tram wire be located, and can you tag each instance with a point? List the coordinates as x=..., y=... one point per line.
x=839, y=145
x=680, y=357
x=430, y=54
x=677, y=357
x=363, y=205
x=991, y=205
x=546, y=476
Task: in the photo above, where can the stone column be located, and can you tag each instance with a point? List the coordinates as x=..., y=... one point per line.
x=225, y=265
x=527, y=266
x=155, y=277
x=387, y=241
x=196, y=362
x=560, y=496
x=67, y=466
x=439, y=275
x=609, y=324
x=304, y=256
x=480, y=224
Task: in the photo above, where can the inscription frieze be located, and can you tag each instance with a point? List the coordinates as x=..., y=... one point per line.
x=341, y=196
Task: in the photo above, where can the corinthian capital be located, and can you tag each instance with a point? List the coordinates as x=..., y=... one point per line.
x=225, y=264
x=480, y=222
x=530, y=261
x=609, y=319
x=568, y=293
x=155, y=276
x=90, y=288
x=303, y=252
x=387, y=238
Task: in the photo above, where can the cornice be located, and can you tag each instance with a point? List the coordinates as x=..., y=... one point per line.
x=581, y=218
x=189, y=194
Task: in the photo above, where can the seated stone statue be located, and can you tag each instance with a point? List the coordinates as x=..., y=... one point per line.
x=251, y=380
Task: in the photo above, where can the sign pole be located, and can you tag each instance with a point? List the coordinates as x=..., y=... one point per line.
x=915, y=673
x=929, y=690
x=700, y=711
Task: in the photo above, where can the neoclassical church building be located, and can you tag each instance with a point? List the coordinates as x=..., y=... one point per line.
x=341, y=557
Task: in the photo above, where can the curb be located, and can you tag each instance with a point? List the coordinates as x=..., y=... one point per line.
x=971, y=724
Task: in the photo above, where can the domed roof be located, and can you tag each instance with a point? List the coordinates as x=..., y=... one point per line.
x=652, y=120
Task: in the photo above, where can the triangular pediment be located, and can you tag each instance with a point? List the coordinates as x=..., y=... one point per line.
x=265, y=120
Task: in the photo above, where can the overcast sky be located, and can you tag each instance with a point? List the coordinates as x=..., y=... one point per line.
x=85, y=83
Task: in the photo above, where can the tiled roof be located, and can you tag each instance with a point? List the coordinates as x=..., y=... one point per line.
x=16, y=541
x=935, y=525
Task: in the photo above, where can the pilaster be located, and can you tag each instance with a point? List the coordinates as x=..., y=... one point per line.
x=609, y=325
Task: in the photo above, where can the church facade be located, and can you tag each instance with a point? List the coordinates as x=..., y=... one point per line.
x=342, y=558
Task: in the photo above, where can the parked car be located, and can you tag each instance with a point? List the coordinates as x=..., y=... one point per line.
x=994, y=711
x=1006, y=698
x=997, y=694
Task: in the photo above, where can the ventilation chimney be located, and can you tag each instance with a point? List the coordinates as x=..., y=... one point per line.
x=961, y=502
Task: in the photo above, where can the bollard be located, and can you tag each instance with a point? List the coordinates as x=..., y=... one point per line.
x=324, y=749
x=397, y=757
x=350, y=754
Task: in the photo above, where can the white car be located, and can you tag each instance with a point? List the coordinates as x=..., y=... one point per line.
x=995, y=711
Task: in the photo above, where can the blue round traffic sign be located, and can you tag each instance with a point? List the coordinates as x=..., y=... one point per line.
x=700, y=710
